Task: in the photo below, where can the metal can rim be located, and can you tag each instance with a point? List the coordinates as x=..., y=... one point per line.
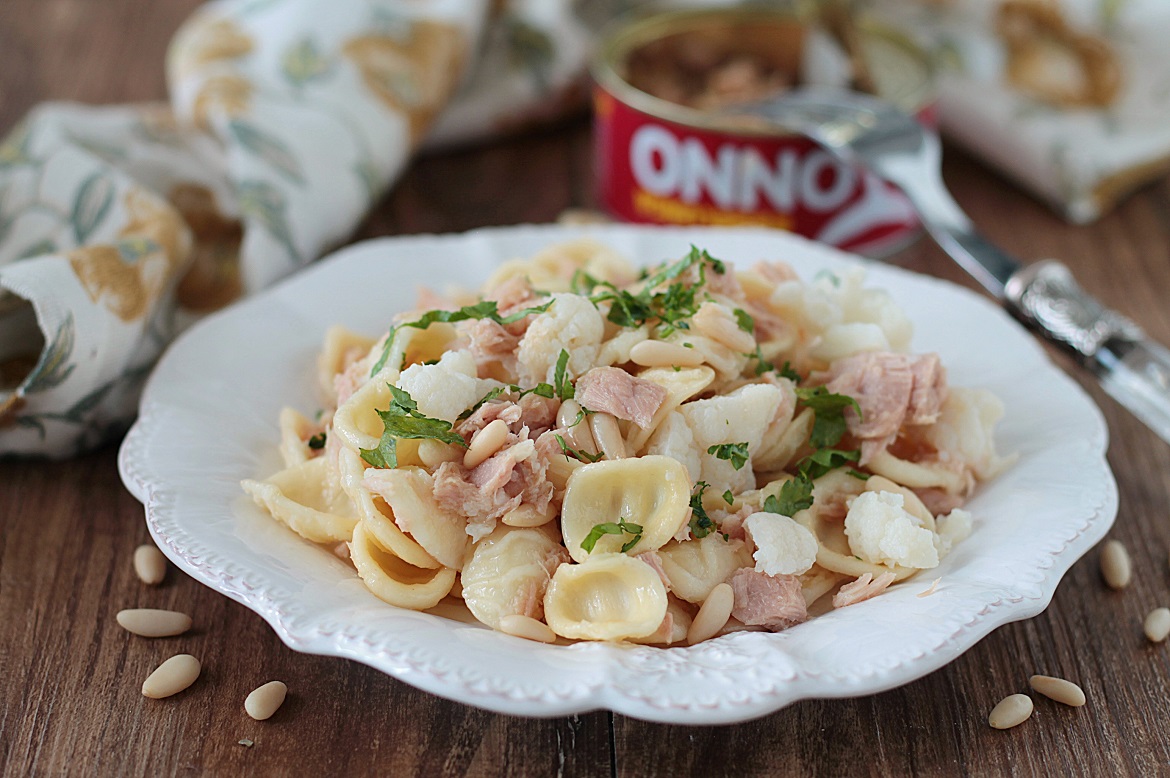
x=628, y=35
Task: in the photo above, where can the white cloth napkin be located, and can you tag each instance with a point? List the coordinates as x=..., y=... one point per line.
x=287, y=119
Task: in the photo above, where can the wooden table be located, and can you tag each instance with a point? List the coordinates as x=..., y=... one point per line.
x=70, y=677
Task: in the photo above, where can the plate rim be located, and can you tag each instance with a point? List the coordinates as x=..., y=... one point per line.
x=317, y=637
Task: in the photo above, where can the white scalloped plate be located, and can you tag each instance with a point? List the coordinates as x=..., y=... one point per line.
x=208, y=419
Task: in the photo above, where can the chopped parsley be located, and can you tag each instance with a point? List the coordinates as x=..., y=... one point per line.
x=403, y=420
x=671, y=307
x=744, y=320
x=795, y=495
x=317, y=442
x=485, y=309
x=728, y=497
x=561, y=383
x=701, y=524
x=788, y=372
x=569, y=451
x=735, y=453
x=619, y=527
x=543, y=390
x=828, y=428
x=829, y=409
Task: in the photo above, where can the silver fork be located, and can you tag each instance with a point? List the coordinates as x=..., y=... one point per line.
x=870, y=133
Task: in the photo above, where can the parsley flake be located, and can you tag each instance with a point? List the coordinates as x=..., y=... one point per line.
x=728, y=497
x=403, y=420
x=562, y=385
x=619, y=527
x=485, y=309
x=829, y=425
x=569, y=451
x=744, y=320
x=735, y=453
x=795, y=495
x=701, y=524
x=317, y=442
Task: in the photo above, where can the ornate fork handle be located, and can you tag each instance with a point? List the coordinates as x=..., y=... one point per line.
x=1046, y=295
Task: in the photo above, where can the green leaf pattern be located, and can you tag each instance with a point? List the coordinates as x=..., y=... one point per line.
x=265, y=204
x=54, y=366
x=268, y=148
x=93, y=201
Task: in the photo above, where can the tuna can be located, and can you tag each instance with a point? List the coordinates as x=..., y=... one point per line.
x=663, y=154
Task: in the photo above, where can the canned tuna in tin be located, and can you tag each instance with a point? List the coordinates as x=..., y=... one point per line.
x=666, y=155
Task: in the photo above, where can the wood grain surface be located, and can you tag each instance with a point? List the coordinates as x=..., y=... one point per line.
x=70, y=677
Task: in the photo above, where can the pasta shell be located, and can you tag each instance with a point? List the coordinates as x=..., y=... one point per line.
x=672, y=630
x=336, y=354
x=302, y=498
x=680, y=385
x=508, y=572
x=653, y=492
x=295, y=428
x=697, y=566
x=608, y=597
x=394, y=580
x=409, y=493
x=412, y=346
x=377, y=516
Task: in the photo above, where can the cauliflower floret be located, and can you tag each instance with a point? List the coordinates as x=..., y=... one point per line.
x=844, y=340
x=881, y=532
x=739, y=417
x=966, y=431
x=572, y=324
x=953, y=528
x=783, y=547
x=674, y=439
x=850, y=317
x=447, y=388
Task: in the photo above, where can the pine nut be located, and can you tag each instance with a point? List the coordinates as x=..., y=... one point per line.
x=266, y=700
x=151, y=623
x=1058, y=689
x=149, y=564
x=526, y=515
x=659, y=353
x=171, y=677
x=607, y=435
x=713, y=614
x=1011, y=711
x=1116, y=568
x=714, y=321
x=434, y=453
x=569, y=414
x=581, y=439
x=528, y=628
x=1157, y=625
x=486, y=442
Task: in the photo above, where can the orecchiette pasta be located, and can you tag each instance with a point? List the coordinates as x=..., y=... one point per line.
x=607, y=597
x=508, y=572
x=657, y=457
x=395, y=581
x=652, y=492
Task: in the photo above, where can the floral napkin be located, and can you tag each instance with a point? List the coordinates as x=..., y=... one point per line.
x=287, y=119
x=120, y=225
x=1071, y=98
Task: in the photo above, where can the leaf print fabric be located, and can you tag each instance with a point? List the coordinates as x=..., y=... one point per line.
x=287, y=119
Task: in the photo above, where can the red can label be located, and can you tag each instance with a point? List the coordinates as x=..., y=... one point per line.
x=658, y=172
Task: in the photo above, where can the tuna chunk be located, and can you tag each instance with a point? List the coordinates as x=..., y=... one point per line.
x=514, y=475
x=614, y=391
x=862, y=589
x=490, y=343
x=773, y=602
x=892, y=390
